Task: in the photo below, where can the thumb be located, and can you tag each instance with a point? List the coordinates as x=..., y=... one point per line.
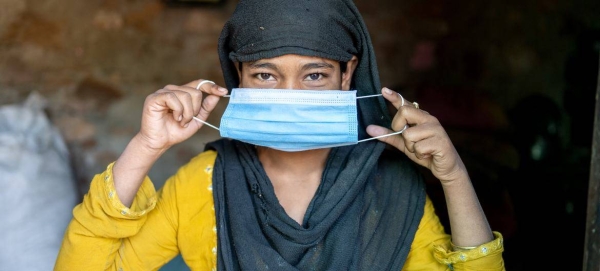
x=394, y=140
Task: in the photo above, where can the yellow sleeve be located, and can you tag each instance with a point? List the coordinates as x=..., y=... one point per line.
x=430, y=231
x=100, y=222
x=431, y=249
x=106, y=235
x=486, y=257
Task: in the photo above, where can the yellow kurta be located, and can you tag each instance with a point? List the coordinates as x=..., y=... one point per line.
x=180, y=219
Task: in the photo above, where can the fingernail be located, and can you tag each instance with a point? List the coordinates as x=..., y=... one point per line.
x=186, y=125
x=222, y=89
x=180, y=118
x=387, y=91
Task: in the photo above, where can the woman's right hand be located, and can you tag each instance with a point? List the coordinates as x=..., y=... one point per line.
x=167, y=117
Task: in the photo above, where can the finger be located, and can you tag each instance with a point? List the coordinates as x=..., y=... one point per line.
x=186, y=100
x=411, y=116
x=422, y=132
x=207, y=87
x=394, y=140
x=395, y=98
x=161, y=101
x=208, y=105
x=425, y=149
x=407, y=113
x=194, y=95
x=413, y=140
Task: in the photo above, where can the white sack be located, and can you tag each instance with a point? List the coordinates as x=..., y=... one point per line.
x=37, y=188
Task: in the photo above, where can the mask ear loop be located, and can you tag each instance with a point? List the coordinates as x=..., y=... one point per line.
x=204, y=122
x=386, y=135
x=207, y=124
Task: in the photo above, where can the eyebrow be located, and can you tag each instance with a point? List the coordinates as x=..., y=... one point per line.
x=267, y=65
x=308, y=66
x=317, y=65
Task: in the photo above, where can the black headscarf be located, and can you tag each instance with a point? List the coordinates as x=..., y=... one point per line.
x=368, y=205
x=330, y=29
x=363, y=216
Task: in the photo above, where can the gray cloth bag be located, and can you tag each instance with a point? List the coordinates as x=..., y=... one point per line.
x=37, y=188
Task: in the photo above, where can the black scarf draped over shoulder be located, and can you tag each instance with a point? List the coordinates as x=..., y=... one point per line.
x=366, y=210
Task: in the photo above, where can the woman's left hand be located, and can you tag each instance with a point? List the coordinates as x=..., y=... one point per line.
x=424, y=141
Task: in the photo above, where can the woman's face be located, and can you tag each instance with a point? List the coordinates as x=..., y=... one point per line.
x=297, y=72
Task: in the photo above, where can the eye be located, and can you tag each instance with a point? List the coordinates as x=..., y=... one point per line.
x=264, y=76
x=314, y=76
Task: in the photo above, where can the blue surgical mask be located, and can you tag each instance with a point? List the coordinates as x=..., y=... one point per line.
x=292, y=120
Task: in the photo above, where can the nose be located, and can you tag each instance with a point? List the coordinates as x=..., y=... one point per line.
x=290, y=84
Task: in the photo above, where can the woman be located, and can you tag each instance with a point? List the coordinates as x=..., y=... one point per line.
x=272, y=202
